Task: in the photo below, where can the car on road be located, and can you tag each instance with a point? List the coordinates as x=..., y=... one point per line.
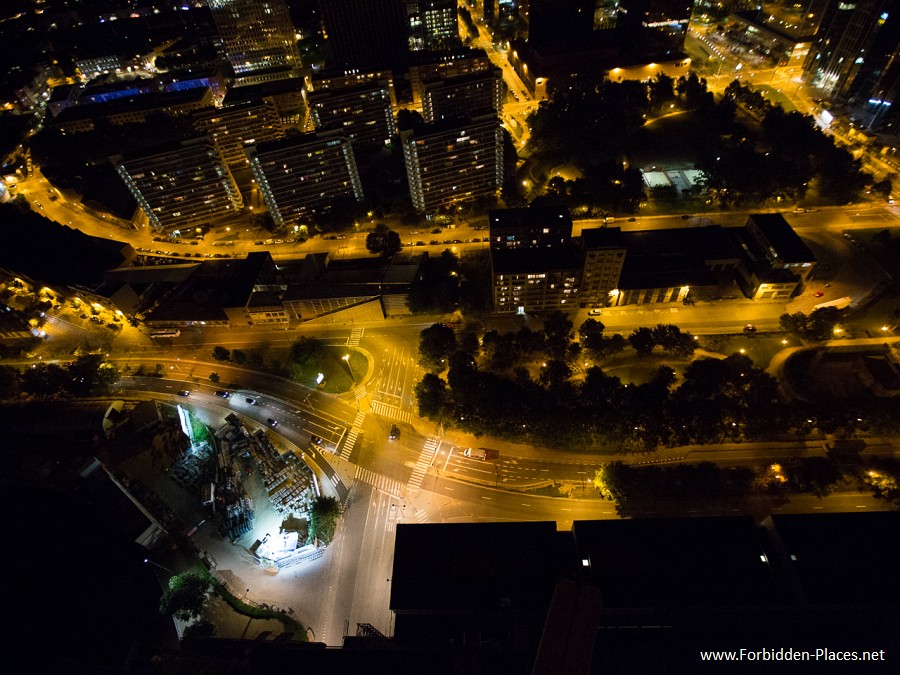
x=251, y=400
x=686, y=216
x=184, y=392
x=595, y=312
x=395, y=432
x=272, y=422
x=819, y=294
x=315, y=439
x=223, y=394
x=632, y=219
x=749, y=328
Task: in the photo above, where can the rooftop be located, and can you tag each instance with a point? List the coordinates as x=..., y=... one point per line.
x=781, y=236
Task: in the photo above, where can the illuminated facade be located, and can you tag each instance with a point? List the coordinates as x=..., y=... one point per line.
x=453, y=162
x=363, y=113
x=464, y=95
x=259, y=39
x=183, y=187
x=234, y=128
x=304, y=176
x=439, y=24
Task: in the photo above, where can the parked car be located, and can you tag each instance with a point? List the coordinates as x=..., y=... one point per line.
x=819, y=294
x=595, y=312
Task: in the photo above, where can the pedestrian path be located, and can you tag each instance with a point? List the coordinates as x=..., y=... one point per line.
x=392, y=412
x=350, y=441
x=379, y=482
x=425, y=459
x=355, y=336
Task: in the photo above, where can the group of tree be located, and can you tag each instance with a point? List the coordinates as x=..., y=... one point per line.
x=817, y=325
x=707, y=485
x=323, y=517
x=87, y=375
x=446, y=283
x=489, y=389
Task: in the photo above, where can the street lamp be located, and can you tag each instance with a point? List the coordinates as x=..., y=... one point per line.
x=147, y=561
x=346, y=358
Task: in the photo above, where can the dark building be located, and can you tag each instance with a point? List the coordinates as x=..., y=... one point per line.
x=286, y=95
x=653, y=28
x=537, y=227
x=362, y=113
x=464, y=95
x=366, y=33
x=560, y=25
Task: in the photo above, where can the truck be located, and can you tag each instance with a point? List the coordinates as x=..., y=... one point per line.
x=840, y=303
x=484, y=454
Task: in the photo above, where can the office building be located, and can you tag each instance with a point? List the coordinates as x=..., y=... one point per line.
x=363, y=113
x=258, y=37
x=234, y=128
x=433, y=25
x=181, y=188
x=856, y=58
x=366, y=33
x=303, y=176
x=453, y=162
x=471, y=94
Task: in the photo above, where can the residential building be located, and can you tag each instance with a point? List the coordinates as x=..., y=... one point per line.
x=366, y=33
x=433, y=66
x=535, y=227
x=286, y=95
x=604, y=256
x=234, y=128
x=340, y=79
x=183, y=187
x=537, y=279
x=454, y=161
x=462, y=95
x=258, y=38
x=304, y=176
x=363, y=113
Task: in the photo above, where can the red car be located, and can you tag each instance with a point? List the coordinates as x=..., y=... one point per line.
x=819, y=294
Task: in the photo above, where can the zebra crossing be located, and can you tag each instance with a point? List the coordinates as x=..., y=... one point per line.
x=421, y=468
x=379, y=482
x=360, y=392
x=392, y=412
x=350, y=441
x=355, y=336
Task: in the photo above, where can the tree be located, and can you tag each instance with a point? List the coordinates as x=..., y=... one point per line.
x=437, y=342
x=239, y=356
x=383, y=241
x=9, y=383
x=185, y=596
x=323, y=517
x=214, y=377
x=817, y=475
x=220, y=353
x=642, y=340
x=308, y=353
x=199, y=629
x=432, y=396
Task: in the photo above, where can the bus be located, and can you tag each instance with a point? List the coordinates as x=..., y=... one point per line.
x=165, y=333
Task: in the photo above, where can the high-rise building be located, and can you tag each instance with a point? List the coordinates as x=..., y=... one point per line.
x=534, y=227
x=183, y=187
x=856, y=55
x=653, y=28
x=233, y=128
x=440, y=26
x=428, y=67
x=366, y=33
x=604, y=256
x=453, y=161
x=464, y=95
x=362, y=112
x=303, y=176
x=258, y=37
x=560, y=25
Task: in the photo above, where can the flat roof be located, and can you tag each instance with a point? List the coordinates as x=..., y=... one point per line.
x=676, y=563
x=781, y=237
x=844, y=558
x=477, y=567
x=538, y=216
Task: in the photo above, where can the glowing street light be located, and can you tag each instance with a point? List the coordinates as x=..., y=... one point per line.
x=346, y=357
